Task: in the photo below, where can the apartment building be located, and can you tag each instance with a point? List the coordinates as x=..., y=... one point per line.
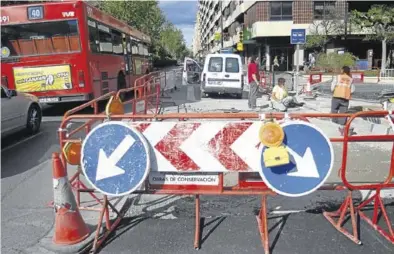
x=196, y=44
x=266, y=25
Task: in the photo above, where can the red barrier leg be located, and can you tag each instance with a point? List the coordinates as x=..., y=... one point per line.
x=378, y=203
x=341, y=212
x=263, y=224
x=197, y=231
x=82, y=186
x=109, y=227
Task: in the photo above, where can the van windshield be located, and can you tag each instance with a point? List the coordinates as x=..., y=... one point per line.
x=232, y=65
x=40, y=38
x=215, y=64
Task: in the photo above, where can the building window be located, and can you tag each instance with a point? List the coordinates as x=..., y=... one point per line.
x=324, y=10
x=281, y=10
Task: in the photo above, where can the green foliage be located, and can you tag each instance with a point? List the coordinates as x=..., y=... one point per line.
x=333, y=62
x=378, y=21
x=316, y=41
x=172, y=40
x=321, y=32
x=146, y=16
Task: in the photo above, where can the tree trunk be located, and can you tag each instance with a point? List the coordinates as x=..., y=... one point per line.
x=384, y=55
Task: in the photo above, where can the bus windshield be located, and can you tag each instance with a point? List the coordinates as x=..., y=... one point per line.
x=40, y=38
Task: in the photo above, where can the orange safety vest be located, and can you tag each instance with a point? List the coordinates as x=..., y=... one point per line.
x=343, y=87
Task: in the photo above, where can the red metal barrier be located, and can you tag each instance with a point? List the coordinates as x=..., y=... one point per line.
x=265, y=79
x=146, y=94
x=263, y=82
x=376, y=198
x=249, y=184
x=315, y=78
x=146, y=91
x=358, y=77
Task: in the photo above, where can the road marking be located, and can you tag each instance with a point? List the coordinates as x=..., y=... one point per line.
x=60, y=118
x=286, y=211
x=20, y=142
x=52, y=119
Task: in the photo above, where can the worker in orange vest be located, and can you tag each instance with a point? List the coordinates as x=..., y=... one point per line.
x=342, y=87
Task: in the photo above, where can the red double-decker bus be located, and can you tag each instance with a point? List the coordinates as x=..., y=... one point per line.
x=69, y=51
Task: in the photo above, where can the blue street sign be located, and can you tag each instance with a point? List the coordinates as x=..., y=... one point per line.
x=298, y=36
x=311, y=161
x=115, y=158
x=227, y=51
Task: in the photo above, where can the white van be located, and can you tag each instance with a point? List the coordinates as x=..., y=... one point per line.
x=222, y=73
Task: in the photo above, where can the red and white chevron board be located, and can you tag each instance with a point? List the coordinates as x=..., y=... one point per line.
x=214, y=146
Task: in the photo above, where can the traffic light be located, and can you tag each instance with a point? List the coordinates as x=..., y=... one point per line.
x=240, y=46
x=241, y=36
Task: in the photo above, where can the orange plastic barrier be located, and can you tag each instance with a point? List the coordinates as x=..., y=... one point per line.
x=248, y=183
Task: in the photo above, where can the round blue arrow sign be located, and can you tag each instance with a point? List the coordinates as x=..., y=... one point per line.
x=311, y=160
x=115, y=158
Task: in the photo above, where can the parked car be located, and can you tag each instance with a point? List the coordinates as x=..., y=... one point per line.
x=19, y=111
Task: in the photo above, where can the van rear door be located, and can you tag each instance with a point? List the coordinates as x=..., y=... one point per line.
x=215, y=74
x=232, y=72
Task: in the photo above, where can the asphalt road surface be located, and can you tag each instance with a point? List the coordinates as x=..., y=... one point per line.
x=165, y=224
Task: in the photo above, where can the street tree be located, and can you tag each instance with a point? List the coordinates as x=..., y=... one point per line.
x=378, y=23
x=172, y=40
x=321, y=32
x=145, y=16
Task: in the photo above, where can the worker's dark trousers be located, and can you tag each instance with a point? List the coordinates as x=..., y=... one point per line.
x=253, y=93
x=339, y=105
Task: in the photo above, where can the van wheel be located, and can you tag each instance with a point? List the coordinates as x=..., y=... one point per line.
x=239, y=96
x=34, y=116
x=122, y=85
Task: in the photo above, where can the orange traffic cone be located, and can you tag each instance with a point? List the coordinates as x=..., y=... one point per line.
x=70, y=227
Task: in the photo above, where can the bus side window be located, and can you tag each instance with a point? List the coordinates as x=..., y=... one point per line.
x=117, y=46
x=140, y=49
x=129, y=55
x=105, y=42
x=93, y=36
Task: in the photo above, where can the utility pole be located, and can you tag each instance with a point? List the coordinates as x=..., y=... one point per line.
x=221, y=23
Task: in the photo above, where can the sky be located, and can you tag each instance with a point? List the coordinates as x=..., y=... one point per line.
x=183, y=15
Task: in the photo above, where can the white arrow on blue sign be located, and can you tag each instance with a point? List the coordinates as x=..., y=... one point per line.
x=115, y=158
x=311, y=161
